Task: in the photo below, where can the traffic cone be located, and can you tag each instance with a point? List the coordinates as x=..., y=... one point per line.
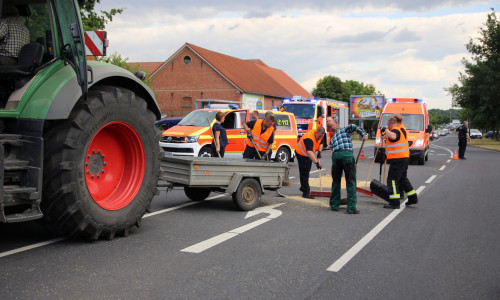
x=362, y=155
x=455, y=154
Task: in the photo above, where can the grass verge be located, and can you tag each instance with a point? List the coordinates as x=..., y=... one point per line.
x=486, y=143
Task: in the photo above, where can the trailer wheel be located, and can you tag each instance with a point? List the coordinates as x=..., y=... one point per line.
x=101, y=165
x=206, y=151
x=196, y=194
x=248, y=194
x=282, y=155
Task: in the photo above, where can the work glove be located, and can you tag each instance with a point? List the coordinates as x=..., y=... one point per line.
x=264, y=156
x=318, y=165
x=382, y=130
x=249, y=134
x=318, y=155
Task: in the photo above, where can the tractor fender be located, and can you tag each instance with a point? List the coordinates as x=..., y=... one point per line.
x=103, y=74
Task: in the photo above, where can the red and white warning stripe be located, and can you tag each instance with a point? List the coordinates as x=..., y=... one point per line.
x=95, y=43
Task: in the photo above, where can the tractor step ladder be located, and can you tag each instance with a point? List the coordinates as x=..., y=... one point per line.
x=20, y=179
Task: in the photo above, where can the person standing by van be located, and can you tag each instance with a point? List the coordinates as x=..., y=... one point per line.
x=463, y=137
x=261, y=132
x=219, y=141
x=308, y=144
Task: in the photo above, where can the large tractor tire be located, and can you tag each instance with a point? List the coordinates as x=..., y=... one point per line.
x=101, y=165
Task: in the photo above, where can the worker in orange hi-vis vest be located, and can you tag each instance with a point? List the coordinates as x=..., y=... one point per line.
x=261, y=133
x=398, y=157
x=309, y=143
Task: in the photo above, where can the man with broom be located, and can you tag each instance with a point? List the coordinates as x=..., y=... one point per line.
x=343, y=160
x=308, y=144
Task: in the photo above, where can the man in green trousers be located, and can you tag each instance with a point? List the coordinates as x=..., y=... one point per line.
x=343, y=160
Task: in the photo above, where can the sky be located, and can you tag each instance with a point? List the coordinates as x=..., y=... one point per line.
x=405, y=48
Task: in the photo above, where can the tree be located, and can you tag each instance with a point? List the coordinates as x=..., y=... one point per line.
x=117, y=60
x=478, y=91
x=94, y=21
x=332, y=87
x=328, y=87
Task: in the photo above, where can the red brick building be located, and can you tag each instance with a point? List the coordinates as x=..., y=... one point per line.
x=193, y=77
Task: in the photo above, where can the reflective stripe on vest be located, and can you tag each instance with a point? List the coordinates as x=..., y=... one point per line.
x=301, y=147
x=260, y=139
x=398, y=149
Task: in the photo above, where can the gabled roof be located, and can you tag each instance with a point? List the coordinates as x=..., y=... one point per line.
x=249, y=76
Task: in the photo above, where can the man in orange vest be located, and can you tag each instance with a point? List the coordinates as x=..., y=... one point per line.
x=398, y=156
x=261, y=132
x=308, y=144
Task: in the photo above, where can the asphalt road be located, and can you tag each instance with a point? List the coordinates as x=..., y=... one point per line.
x=446, y=247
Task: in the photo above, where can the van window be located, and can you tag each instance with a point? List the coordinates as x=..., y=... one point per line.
x=198, y=118
x=411, y=121
x=230, y=121
x=282, y=122
x=243, y=118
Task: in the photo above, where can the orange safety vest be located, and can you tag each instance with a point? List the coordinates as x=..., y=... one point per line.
x=400, y=148
x=260, y=139
x=301, y=149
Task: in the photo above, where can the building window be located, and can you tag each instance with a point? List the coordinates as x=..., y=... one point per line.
x=187, y=60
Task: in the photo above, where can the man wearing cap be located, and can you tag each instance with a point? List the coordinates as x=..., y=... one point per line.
x=13, y=36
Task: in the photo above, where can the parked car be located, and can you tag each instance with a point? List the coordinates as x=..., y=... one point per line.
x=489, y=134
x=435, y=135
x=166, y=123
x=442, y=132
x=475, y=134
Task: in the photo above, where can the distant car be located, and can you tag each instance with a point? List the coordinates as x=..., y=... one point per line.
x=442, y=132
x=475, y=134
x=166, y=123
x=435, y=134
x=446, y=131
x=489, y=134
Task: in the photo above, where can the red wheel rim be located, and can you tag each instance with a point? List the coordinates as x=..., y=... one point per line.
x=114, y=165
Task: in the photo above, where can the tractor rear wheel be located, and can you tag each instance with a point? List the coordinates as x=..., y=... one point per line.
x=101, y=165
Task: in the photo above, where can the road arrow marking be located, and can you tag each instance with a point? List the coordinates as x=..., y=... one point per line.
x=273, y=213
x=211, y=242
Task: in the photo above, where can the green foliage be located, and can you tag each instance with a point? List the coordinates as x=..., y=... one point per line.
x=94, y=21
x=477, y=90
x=438, y=117
x=117, y=60
x=333, y=88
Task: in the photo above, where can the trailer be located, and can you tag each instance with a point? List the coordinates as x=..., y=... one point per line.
x=244, y=179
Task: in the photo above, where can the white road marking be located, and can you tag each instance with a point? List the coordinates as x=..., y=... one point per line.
x=52, y=241
x=344, y=259
x=431, y=179
x=29, y=247
x=448, y=161
x=211, y=242
x=442, y=168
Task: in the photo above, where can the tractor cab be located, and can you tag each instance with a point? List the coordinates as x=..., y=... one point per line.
x=54, y=36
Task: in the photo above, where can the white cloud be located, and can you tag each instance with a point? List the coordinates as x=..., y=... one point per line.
x=402, y=56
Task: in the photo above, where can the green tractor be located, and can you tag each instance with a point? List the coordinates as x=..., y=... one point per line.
x=78, y=146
